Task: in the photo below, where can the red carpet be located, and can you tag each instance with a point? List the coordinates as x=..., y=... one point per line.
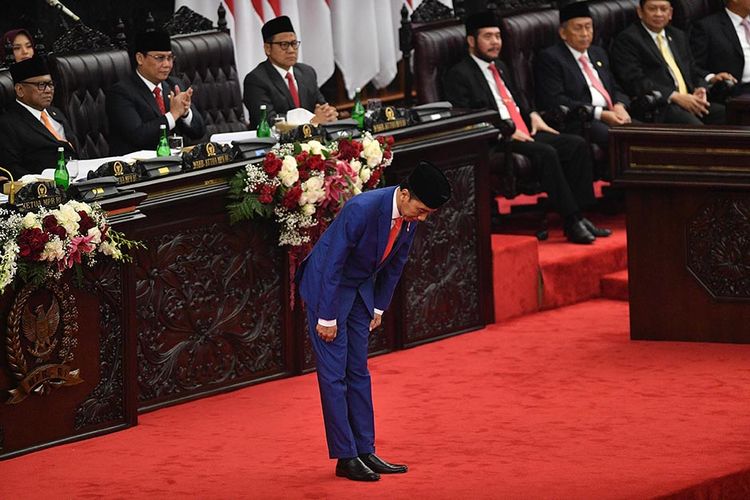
x=615, y=285
x=559, y=404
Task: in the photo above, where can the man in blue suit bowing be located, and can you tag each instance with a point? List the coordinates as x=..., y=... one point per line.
x=347, y=282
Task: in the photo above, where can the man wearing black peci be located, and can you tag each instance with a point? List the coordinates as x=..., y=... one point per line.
x=149, y=97
x=31, y=129
x=481, y=80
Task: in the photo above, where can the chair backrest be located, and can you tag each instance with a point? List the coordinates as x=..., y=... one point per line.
x=523, y=36
x=687, y=11
x=436, y=50
x=82, y=84
x=7, y=90
x=610, y=17
x=205, y=61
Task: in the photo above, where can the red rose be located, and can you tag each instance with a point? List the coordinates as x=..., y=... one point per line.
x=302, y=157
x=374, y=178
x=317, y=163
x=85, y=223
x=31, y=243
x=50, y=225
x=291, y=198
x=349, y=149
x=387, y=154
x=271, y=165
x=267, y=192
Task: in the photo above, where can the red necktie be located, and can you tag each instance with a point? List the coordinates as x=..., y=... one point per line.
x=292, y=89
x=510, y=104
x=159, y=100
x=392, y=236
x=595, y=82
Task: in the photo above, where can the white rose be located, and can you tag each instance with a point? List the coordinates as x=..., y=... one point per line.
x=305, y=146
x=356, y=165
x=308, y=209
x=53, y=250
x=97, y=235
x=78, y=206
x=313, y=190
x=365, y=174
x=68, y=218
x=372, y=152
x=289, y=173
x=315, y=147
x=30, y=220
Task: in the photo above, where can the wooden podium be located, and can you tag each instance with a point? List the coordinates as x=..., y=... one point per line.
x=688, y=223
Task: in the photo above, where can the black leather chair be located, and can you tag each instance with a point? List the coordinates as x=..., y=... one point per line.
x=7, y=90
x=82, y=83
x=205, y=61
x=686, y=11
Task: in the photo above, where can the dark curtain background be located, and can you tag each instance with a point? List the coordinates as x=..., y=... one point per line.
x=100, y=15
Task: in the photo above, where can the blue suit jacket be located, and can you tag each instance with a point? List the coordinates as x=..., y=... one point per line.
x=346, y=259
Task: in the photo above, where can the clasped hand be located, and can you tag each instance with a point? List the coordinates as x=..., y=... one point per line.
x=180, y=102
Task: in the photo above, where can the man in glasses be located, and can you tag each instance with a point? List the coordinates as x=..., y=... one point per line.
x=31, y=130
x=138, y=104
x=282, y=83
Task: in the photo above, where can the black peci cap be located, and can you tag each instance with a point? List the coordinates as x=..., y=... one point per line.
x=29, y=68
x=281, y=24
x=482, y=19
x=429, y=184
x=574, y=9
x=157, y=41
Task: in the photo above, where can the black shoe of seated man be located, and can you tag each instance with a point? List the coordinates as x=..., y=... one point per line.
x=379, y=465
x=355, y=469
x=599, y=232
x=577, y=233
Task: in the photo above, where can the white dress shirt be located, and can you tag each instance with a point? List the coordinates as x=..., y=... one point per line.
x=484, y=66
x=283, y=73
x=665, y=37
x=737, y=23
x=597, y=99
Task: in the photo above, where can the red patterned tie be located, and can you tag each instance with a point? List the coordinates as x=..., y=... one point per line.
x=392, y=236
x=292, y=89
x=595, y=82
x=159, y=100
x=510, y=104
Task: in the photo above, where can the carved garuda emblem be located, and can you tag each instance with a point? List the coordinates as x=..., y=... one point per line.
x=42, y=329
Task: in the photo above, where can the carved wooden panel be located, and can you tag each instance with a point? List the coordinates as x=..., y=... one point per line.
x=209, y=310
x=441, y=286
x=718, y=247
x=106, y=403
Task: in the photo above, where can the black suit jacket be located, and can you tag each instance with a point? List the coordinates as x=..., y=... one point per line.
x=264, y=85
x=26, y=146
x=716, y=47
x=466, y=87
x=640, y=67
x=134, y=117
x=559, y=80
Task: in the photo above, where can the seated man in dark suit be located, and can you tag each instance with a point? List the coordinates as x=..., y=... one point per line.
x=721, y=46
x=282, y=83
x=31, y=130
x=575, y=73
x=650, y=56
x=481, y=80
x=148, y=98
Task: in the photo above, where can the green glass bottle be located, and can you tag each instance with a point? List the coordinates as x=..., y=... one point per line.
x=264, y=129
x=163, y=148
x=358, y=111
x=62, y=177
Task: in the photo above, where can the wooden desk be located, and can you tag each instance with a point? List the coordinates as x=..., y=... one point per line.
x=688, y=223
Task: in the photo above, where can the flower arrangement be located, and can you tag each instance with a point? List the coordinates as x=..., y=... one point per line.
x=43, y=244
x=303, y=186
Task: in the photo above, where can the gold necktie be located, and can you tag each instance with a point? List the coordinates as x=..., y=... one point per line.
x=48, y=124
x=667, y=55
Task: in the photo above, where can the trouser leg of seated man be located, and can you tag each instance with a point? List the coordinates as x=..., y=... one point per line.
x=574, y=156
x=675, y=114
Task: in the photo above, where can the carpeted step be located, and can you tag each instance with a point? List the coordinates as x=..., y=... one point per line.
x=615, y=285
x=572, y=273
x=515, y=262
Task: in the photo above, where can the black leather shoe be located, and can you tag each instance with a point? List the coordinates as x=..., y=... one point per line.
x=577, y=233
x=377, y=464
x=355, y=469
x=599, y=232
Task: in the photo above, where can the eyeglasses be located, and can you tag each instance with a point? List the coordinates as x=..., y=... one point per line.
x=287, y=45
x=161, y=58
x=41, y=86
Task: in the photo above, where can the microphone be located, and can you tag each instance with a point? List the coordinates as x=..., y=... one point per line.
x=58, y=5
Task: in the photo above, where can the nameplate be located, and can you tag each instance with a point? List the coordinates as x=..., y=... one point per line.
x=210, y=154
x=36, y=195
x=304, y=133
x=387, y=118
x=124, y=172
